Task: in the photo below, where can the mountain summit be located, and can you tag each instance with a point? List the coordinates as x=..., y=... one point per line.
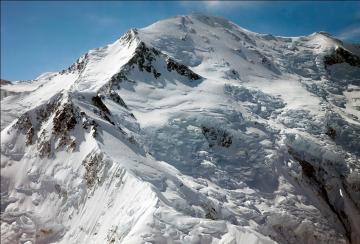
x=191, y=130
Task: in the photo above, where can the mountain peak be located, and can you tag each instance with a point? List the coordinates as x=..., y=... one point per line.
x=189, y=130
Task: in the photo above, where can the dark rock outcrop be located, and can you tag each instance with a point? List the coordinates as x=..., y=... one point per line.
x=100, y=105
x=217, y=136
x=25, y=126
x=92, y=163
x=340, y=55
x=79, y=65
x=211, y=213
x=321, y=180
x=331, y=132
x=144, y=57
x=103, y=111
x=181, y=69
x=65, y=119
x=4, y=82
x=116, y=98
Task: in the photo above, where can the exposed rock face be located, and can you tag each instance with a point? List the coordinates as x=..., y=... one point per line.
x=116, y=98
x=352, y=186
x=324, y=182
x=65, y=119
x=78, y=66
x=181, y=69
x=149, y=60
x=99, y=103
x=25, y=125
x=92, y=164
x=331, y=132
x=211, y=213
x=44, y=149
x=343, y=133
x=89, y=124
x=144, y=57
x=30, y=125
x=103, y=110
x=217, y=136
x=129, y=36
x=5, y=93
x=116, y=80
x=340, y=55
x=4, y=82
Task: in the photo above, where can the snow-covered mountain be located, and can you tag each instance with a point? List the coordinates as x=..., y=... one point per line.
x=191, y=130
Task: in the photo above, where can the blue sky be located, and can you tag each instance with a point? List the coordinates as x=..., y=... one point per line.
x=43, y=36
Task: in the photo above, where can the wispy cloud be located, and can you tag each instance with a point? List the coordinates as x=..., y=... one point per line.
x=357, y=15
x=230, y=4
x=218, y=5
x=351, y=33
x=102, y=20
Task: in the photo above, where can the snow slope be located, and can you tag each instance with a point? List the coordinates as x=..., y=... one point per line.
x=191, y=130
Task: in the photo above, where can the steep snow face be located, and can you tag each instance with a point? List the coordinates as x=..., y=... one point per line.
x=191, y=130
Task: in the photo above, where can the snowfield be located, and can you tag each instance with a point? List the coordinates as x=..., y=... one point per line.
x=191, y=130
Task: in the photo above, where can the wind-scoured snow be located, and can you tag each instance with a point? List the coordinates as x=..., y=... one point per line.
x=191, y=130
